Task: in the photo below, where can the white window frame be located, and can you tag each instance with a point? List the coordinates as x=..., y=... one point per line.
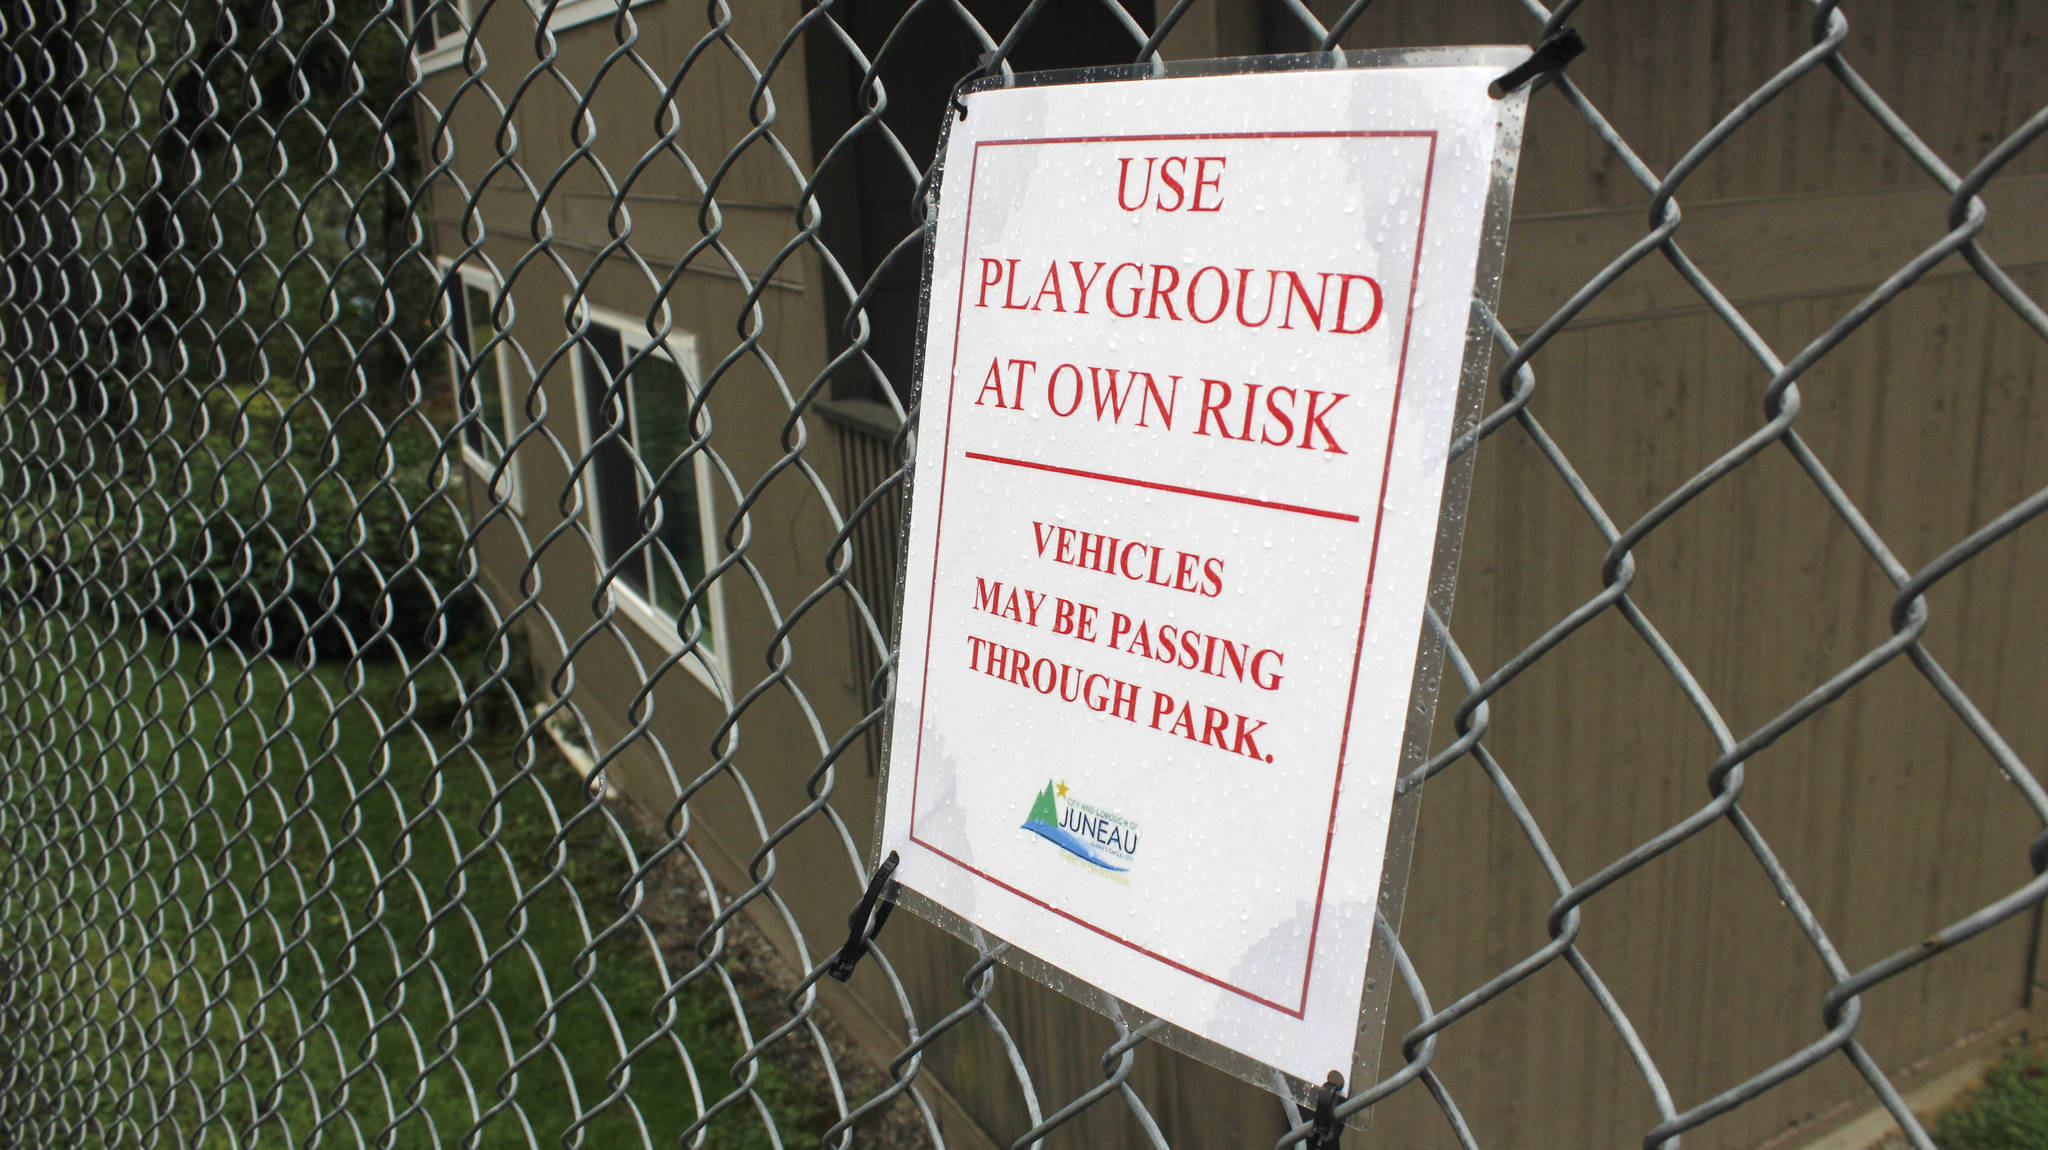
x=570, y=13
x=511, y=414
x=715, y=669
x=447, y=51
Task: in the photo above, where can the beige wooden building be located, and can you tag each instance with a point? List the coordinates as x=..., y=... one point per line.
x=727, y=329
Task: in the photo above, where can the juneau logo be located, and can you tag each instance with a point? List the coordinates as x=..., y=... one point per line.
x=1108, y=840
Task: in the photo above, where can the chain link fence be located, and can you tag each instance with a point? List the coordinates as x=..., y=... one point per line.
x=449, y=460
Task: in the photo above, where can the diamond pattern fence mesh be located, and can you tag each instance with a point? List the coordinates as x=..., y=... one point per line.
x=449, y=484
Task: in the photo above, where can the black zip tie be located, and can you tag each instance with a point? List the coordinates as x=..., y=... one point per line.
x=1552, y=53
x=866, y=920
x=981, y=65
x=1323, y=1100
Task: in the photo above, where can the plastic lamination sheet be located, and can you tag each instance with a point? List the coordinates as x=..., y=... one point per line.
x=1195, y=351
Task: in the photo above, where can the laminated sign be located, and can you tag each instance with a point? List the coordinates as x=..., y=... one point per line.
x=1196, y=356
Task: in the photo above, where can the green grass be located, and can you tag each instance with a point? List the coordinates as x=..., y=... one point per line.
x=245, y=899
x=2008, y=1112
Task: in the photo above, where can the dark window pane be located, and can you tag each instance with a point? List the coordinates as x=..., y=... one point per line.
x=661, y=408
x=615, y=493
x=487, y=388
x=458, y=368
x=651, y=416
x=445, y=25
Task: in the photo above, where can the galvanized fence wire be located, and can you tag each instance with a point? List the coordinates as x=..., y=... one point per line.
x=288, y=850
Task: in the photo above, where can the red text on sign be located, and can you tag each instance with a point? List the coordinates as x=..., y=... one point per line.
x=1173, y=193
x=1134, y=559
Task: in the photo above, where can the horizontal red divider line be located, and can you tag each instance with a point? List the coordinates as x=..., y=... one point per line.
x=1195, y=491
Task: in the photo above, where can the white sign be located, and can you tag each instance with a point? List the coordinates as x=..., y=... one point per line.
x=1191, y=365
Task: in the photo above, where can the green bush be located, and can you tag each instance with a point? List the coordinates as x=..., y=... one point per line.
x=231, y=440
x=343, y=534
x=252, y=518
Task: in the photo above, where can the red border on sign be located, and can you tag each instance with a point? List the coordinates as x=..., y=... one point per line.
x=1127, y=481
x=1358, y=648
